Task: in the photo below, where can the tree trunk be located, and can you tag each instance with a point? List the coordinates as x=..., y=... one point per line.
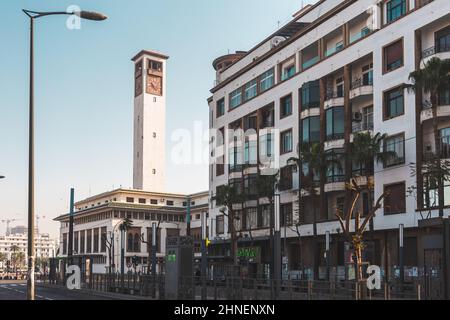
x=437, y=143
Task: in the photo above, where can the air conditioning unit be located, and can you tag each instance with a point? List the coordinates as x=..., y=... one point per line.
x=356, y=116
x=275, y=42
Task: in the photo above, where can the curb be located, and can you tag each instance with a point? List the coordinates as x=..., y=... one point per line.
x=115, y=296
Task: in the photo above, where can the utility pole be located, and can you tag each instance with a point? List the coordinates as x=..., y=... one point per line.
x=277, y=245
x=401, y=255
x=154, y=230
x=204, y=253
x=327, y=253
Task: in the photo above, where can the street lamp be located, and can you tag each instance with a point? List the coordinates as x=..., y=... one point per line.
x=35, y=15
x=277, y=243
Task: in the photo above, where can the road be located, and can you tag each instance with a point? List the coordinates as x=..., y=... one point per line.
x=16, y=290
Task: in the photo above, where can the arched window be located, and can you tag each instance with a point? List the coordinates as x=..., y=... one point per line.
x=137, y=243
x=130, y=242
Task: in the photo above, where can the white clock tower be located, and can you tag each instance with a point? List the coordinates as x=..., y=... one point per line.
x=149, y=121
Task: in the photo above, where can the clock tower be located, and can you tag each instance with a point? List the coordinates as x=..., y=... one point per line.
x=149, y=121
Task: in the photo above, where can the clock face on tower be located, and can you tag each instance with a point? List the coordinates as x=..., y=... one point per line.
x=154, y=85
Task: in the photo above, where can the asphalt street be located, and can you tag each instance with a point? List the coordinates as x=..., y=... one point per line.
x=16, y=290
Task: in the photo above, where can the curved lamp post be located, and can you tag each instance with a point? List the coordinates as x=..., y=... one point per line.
x=35, y=15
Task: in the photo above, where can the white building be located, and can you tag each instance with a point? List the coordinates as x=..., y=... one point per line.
x=97, y=218
x=45, y=247
x=339, y=67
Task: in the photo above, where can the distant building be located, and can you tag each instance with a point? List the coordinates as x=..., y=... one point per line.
x=22, y=230
x=45, y=247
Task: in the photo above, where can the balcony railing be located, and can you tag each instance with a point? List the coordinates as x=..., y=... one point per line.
x=360, y=35
x=336, y=178
x=361, y=82
x=333, y=50
x=310, y=62
x=330, y=94
x=362, y=126
x=435, y=49
x=335, y=136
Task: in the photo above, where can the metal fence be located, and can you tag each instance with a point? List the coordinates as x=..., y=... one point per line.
x=234, y=288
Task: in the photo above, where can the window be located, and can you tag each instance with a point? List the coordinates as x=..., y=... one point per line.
x=395, y=200
x=265, y=216
x=267, y=115
x=220, y=161
x=75, y=242
x=393, y=103
x=393, y=56
x=266, y=144
x=96, y=239
x=250, y=152
x=443, y=40
x=286, y=214
x=310, y=95
x=285, y=178
x=311, y=129
x=129, y=199
x=367, y=75
x=286, y=141
x=251, y=218
x=82, y=241
x=250, y=90
x=340, y=87
x=89, y=241
x=266, y=80
x=220, y=107
x=444, y=97
x=169, y=202
x=155, y=65
x=103, y=240
x=136, y=242
x=64, y=243
x=250, y=186
x=395, y=9
x=288, y=72
x=335, y=123
x=141, y=200
x=220, y=225
x=236, y=98
x=286, y=106
x=395, y=144
x=339, y=46
x=335, y=170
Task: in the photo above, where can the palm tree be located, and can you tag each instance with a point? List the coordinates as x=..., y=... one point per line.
x=317, y=162
x=227, y=196
x=433, y=79
x=3, y=258
x=267, y=185
x=364, y=150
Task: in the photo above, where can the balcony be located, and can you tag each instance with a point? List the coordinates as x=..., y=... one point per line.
x=333, y=99
x=310, y=62
x=362, y=126
x=335, y=183
x=439, y=51
x=362, y=87
x=443, y=109
x=359, y=35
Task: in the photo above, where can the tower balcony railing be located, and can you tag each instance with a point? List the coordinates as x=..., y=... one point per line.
x=361, y=82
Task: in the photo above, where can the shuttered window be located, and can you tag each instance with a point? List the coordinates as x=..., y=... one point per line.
x=395, y=200
x=393, y=56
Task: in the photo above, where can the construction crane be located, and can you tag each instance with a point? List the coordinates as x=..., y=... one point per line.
x=8, y=221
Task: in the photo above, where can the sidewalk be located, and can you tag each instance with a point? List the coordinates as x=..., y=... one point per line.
x=112, y=295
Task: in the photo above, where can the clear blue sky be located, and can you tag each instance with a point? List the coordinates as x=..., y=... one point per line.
x=84, y=90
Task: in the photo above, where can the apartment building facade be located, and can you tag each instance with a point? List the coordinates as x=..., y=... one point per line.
x=338, y=68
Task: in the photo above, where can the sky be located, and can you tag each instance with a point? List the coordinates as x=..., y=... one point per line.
x=84, y=91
